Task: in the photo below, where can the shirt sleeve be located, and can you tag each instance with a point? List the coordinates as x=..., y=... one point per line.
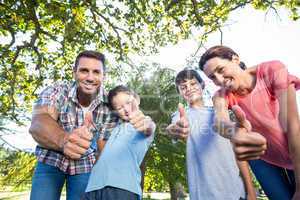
x=230, y=99
x=278, y=77
x=50, y=96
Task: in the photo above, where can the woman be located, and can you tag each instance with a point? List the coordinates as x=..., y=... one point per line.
x=266, y=94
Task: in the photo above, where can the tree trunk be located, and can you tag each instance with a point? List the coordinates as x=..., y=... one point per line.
x=173, y=191
x=143, y=170
x=177, y=191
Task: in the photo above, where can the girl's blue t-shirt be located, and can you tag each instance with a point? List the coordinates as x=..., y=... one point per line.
x=119, y=162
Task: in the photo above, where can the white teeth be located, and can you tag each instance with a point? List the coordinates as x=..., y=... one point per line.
x=89, y=86
x=227, y=82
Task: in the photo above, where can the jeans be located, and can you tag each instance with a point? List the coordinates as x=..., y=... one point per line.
x=110, y=193
x=48, y=181
x=278, y=183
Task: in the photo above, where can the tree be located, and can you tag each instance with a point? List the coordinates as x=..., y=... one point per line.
x=44, y=36
x=16, y=168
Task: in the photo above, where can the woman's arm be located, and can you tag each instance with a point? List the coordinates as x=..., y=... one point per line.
x=247, y=179
x=289, y=120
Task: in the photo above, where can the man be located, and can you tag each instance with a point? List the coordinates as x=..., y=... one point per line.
x=65, y=118
x=213, y=172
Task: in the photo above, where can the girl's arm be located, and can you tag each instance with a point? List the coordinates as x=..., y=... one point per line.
x=289, y=120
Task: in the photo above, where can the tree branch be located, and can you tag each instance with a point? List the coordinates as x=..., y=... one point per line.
x=221, y=37
x=195, y=8
x=171, y=4
x=10, y=145
x=12, y=42
x=116, y=29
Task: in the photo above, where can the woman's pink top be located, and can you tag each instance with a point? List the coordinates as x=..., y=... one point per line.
x=262, y=109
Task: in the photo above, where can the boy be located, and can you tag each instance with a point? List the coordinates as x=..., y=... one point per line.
x=213, y=172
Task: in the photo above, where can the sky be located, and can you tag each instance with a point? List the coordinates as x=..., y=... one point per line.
x=255, y=36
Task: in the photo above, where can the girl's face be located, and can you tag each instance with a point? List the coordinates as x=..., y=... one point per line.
x=190, y=90
x=223, y=72
x=125, y=104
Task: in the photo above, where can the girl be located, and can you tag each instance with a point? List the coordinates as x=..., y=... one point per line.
x=116, y=175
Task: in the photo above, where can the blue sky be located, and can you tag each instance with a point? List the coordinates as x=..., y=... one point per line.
x=255, y=36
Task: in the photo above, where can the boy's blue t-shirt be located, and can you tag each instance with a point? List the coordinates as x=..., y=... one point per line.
x=119, y=162
x=212, y=169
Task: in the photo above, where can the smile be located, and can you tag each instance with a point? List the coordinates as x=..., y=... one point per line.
x=227, y=83
x=88, y=85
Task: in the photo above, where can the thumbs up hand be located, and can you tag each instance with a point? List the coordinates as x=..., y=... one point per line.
x=181, y=128
x=247, y=145
x=78, y=141
x=139, y=121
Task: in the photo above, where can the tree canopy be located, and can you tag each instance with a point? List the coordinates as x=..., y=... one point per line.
x=42, y=37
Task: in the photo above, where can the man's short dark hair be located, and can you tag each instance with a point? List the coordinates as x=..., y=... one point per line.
x=90, y=54
x=188, y=74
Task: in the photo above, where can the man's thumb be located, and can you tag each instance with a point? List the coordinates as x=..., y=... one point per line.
x=181, y=111
x=241, y=117
x=88, y=120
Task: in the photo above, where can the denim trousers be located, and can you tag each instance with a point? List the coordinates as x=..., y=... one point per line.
x=278, y=183
x=48, y=181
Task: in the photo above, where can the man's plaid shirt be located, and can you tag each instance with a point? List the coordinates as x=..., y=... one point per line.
x=71, y=116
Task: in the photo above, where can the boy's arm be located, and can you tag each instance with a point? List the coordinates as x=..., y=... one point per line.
x=222, y=121
x=179, y=128
x=247, y=180
x=221, y=107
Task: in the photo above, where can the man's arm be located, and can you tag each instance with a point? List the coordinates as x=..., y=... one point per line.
x=101, y=144
x=247, y=180
x=47, y=132
x=45, y=129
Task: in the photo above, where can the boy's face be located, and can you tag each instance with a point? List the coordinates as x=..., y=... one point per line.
x=125, y=104
x=190, y=90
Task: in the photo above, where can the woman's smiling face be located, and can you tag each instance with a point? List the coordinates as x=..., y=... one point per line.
x=223, y=72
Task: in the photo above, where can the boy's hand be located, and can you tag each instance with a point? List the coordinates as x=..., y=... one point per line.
x=78, y=141
x=181, y=128
x=139, y=121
